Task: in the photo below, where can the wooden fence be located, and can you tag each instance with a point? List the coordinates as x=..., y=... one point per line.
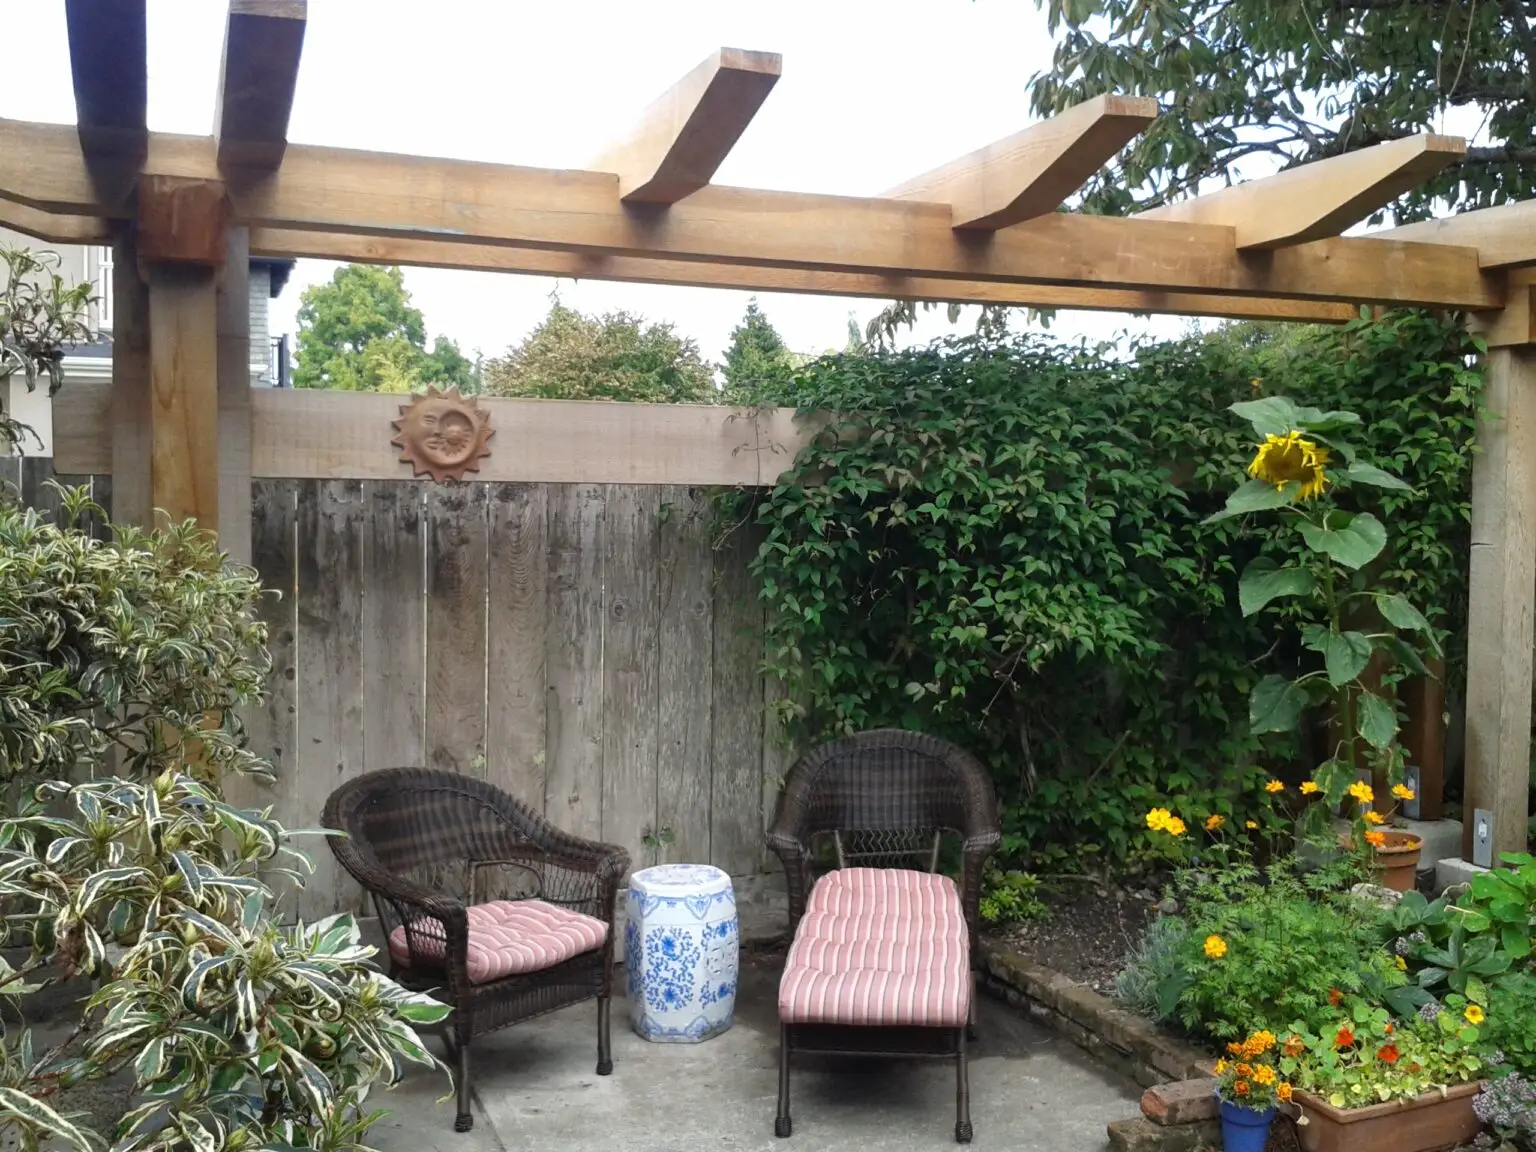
x=584, y=646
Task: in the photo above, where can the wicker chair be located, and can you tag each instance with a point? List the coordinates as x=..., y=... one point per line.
x=434, y=849
x=878, y=801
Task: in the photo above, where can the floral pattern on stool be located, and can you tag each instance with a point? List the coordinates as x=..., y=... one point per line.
x=681, y=952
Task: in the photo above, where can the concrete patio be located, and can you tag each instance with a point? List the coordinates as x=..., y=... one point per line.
x=535, y=1089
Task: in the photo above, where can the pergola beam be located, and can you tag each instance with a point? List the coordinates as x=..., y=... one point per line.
x=1504, y=236
x=52, y=228
x=411, y=197
x=1034, y=171
x=1320, y=199
x=108, y=63
x=263, y=40
x=685, y=135
x=294, y=244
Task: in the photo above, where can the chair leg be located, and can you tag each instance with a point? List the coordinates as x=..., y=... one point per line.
x=970, y=1024
x=781, y=1124
x=962, y=1092
x=604, y=1040
x=465, y=1120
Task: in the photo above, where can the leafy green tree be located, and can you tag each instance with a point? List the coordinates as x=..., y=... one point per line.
x=361, y=333
x=616, y=356
x=1298, y=81
x=757, y=357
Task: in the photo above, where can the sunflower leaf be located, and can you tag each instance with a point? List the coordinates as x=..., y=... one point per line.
x=1354, y=541
x=1316, y=420
x=1255, y=496
x=1401, y=614
x=1345, y=654
x=1262, y=582
x=1377, y=721
x=1271, y=416
x=1275, y=705
x=1375, y=477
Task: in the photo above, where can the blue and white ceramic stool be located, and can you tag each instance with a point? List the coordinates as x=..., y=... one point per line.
x=681, y=952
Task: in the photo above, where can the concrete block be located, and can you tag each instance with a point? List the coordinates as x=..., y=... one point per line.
x=1182, y=1102
x=1141, y=1135
x=1442, y=838
x=1454, y=870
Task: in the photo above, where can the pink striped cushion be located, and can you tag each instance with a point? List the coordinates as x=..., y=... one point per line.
x=879, y=946
x=506, y=937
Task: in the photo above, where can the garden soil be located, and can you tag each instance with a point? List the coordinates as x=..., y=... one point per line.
x=1090, y=930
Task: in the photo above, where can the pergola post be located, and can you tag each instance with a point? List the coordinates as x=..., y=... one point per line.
x=1502, y=605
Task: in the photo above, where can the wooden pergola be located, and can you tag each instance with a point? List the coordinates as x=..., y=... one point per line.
x=181, y=430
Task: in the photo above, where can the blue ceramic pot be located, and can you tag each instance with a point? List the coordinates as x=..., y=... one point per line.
x=1243, y=1129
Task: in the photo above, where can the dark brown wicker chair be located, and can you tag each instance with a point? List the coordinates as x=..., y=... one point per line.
x=427, y=845
x=885, y=799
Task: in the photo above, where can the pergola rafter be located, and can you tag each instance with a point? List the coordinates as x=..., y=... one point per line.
x=179, y=427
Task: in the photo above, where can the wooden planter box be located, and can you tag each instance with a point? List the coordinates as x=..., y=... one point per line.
x=1429, y=1123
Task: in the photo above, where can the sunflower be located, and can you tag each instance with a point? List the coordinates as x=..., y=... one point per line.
x=1291, y=459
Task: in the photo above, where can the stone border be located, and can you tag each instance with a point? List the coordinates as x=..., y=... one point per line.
x=1126, y=1042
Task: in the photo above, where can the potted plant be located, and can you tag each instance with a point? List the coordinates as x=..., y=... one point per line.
x=1368, y=1083
x=1249, y=1088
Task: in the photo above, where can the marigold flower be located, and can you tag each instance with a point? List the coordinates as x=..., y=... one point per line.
x=1402, y=792
x=1275, y=786
x=1361, y=791
x=1334, y=996
x=1235, y=1048
x=1264, y=1074
x=1345, y=1037
x=1310, y=786
x=1157, y=819
x=1291, y=459
x=1376, y=839
x=1374, y=817
x=1214, y=822
x=1174, y=827
x=1221, y=1066
x=1283, y=1091
x=1294, y=1045
x=1474, y=1014
x=1251, y=825
x=1387, y=1053
x=1261, y=1041
x=1241, y=1088
x=1390, y=1028
x=1244, y=1070
x=1216, y=948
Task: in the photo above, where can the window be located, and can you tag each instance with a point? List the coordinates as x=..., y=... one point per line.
x=101, y=279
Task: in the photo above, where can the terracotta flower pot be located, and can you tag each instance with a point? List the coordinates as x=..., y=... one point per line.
x=1428, y=1123
x=1398, y=859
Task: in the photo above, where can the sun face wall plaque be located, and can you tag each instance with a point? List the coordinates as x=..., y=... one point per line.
x=443, y=434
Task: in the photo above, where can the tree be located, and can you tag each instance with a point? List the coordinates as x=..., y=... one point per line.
x=361, y=333
x=757, y=358
x=616, y=356
x=1299, y=81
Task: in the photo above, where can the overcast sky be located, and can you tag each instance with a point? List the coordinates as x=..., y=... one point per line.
x=873, y=91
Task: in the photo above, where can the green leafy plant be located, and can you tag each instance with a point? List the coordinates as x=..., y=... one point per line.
x=1502, y=903
x=1155, y=962
x=1510, y=1032
x=1011, y=897
x=40, y=316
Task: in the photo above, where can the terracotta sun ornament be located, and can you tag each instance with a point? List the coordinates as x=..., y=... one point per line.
x=443, y=434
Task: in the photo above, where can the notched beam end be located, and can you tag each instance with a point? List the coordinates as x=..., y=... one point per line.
x=263, y=43
x=182, y=221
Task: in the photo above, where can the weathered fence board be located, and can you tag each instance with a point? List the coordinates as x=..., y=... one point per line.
x=590, y=641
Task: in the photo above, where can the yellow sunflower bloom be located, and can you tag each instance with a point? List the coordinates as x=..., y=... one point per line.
x=1291, y=459
x=1214, y=822
x=1216, y=948
x=1157, y=819
x=1474, y=1014
x=1274, y=786
x=1362, y=792
x=1402, y=792
x=1309, y=786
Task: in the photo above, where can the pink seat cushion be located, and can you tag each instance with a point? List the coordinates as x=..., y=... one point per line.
x=879, y=946
x=506, y=937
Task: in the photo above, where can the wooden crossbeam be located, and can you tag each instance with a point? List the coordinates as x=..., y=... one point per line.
x=1504, y=236
x=685, y=135
x=378, y=194
x=108, y=63
x=52, y=228
x=1034, y=171
x=289, y=243
x=263, y=40
x=1320, y=199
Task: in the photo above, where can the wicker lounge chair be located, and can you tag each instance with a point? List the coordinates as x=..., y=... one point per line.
x=880, y=962
x=432, y=848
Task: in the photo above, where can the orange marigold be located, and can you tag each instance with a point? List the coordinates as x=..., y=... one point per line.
x=1283, y=1091
x=1376, y=839
x=1294, y=1045
x=1241, y=1088
x=1235, y=1048
x=1244, y=1069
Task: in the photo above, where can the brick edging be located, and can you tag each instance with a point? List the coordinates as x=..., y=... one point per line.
x=1129, y=1043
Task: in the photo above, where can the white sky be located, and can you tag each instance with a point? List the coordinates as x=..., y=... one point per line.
x=873, y=91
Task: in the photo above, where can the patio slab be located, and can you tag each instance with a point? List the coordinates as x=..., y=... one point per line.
x=535, y=1089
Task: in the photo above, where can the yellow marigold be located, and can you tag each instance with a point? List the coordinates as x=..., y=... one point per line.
x=1402, y=792
x=1374, y=817
x=1262, y=1040
x=1291, y=459
x=1376, y=839
x=1264, y=1074
x=1214, y=822
x=1310, y=786
x=1283, y=1091
x=1274, y=786
x=1474, y=1014
x=1251, y=825
x=1174, y=827
x=1216, y=948
x=1221, y=1066
x=1158, y=818
x=1361, y=791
